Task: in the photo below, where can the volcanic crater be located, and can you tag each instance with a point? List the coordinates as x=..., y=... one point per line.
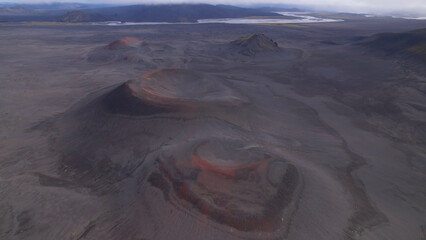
x=237, y=184
x=136, y=50
x=169, y=90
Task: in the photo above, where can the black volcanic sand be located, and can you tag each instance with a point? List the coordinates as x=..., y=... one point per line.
x=212, y=131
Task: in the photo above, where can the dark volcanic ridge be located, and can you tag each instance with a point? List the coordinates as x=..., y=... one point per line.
x=254, y=44
x=409, y=45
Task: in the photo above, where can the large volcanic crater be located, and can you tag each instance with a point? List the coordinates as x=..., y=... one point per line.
x=237, y=185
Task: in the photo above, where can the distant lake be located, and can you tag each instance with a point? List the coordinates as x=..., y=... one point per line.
x=411, y=18
x=118, y=23
x=403, y=17
x=296, y=17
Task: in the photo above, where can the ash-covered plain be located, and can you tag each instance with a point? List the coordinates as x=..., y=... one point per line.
x=300, y=132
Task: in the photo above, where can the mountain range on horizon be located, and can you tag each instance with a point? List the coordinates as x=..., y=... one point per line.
x=68, y=12
x=83, y=12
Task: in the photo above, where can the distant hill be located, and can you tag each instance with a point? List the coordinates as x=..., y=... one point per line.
x=253, y=44
x=406, y=44
x=279, y=9
x=79, y=16
x=53, y=6
x=17, y=12
x=175, y=12
x=14, y=11
x=133, y=13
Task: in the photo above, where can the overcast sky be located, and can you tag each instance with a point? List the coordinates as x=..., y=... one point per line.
x=368, y=6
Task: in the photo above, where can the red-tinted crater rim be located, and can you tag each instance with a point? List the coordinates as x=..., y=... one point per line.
x=230, y=182
x=125, y=42
x=168, y=90
x=169, y=85
x=226, y=159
